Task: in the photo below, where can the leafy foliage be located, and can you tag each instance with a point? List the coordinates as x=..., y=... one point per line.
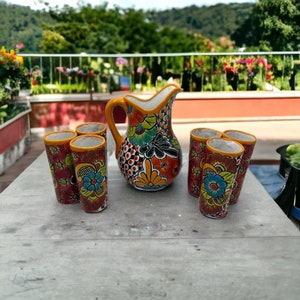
x=22, y=24
x=266, y=25
x=273, y=25
x=102, y=30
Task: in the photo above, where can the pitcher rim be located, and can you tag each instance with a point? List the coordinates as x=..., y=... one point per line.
x=177, y=89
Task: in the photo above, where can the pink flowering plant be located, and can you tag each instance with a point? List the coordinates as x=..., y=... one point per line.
x=122, y=66
x=257, y=71
x=232, y=67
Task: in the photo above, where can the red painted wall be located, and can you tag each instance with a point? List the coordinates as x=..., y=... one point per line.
x=13, y=132
x=52, y=114
x=235, y=107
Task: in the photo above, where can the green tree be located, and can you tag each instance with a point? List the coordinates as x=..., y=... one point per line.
x=21, y=24
x=103, y=30
x=86, y=30
x=211, y=21
x=53, y=42
x=141, y=34
x=273, y=25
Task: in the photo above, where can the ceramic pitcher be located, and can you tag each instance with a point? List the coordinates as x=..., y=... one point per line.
x=149, y=155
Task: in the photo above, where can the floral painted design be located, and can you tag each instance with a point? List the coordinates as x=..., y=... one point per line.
x=92, y=180
x=196, y=171
x=159, y=147
x=150, y=178
x=219, y=173
x=91, y=174
x=63, y=174
x=217, y=183
x=167, y=167
x=241, y=173
x=196, y=151
x=53, y=149
x=176, y=145
x=148, y=158
x=141, y=128
x=150, y=155
x=196, y=161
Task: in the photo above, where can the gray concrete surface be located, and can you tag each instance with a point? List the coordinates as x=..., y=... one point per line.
x=144, y=245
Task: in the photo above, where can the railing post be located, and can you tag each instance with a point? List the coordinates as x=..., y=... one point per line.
x=51, y=70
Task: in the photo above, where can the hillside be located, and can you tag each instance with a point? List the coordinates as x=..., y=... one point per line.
x=210, y=21
x=22, y=24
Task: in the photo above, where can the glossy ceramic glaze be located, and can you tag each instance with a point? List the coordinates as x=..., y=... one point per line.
x=149, y=156
x=222, y=160
x=198, y=139
x=57, y=145
x=89, y=158
x=248, y=141
x=91, y=128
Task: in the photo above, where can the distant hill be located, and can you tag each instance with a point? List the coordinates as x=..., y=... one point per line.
x=21, y=23
x=210, y=21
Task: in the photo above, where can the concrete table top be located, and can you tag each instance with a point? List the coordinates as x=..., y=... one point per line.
x=144, y=245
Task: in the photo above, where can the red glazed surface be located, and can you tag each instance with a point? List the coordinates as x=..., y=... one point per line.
x=219, y=173
x=196, y=159
x=241, y=173
x=198, y=139
x=91, y=174
x=62, y=171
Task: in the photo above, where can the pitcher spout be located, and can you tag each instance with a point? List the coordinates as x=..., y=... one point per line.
x=157, y=101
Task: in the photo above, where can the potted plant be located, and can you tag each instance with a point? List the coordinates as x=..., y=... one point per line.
x=13, y=77
x=14, y=126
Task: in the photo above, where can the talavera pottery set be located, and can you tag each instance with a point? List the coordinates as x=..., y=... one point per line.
x=150, y=157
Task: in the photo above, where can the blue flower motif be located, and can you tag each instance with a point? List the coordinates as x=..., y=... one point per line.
x=92, y=181
x=215, y=185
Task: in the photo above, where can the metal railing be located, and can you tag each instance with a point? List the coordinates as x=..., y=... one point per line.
x=285, y=68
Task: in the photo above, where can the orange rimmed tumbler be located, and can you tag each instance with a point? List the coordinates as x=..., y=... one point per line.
x=198, y=139
x=248, y=141
x=221, y=165
x=57, y=145
x=89, y=158
x=91, y=128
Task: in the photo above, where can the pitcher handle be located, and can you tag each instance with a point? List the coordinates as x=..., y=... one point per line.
x=109, y=109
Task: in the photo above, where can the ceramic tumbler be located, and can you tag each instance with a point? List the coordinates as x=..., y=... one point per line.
x=222, y=160
x=89, y=157
x=59, y=156
x=198, y=139
x=91, y=128
x=248, y=141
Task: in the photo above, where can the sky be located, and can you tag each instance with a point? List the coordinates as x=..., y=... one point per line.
x=136, y=4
